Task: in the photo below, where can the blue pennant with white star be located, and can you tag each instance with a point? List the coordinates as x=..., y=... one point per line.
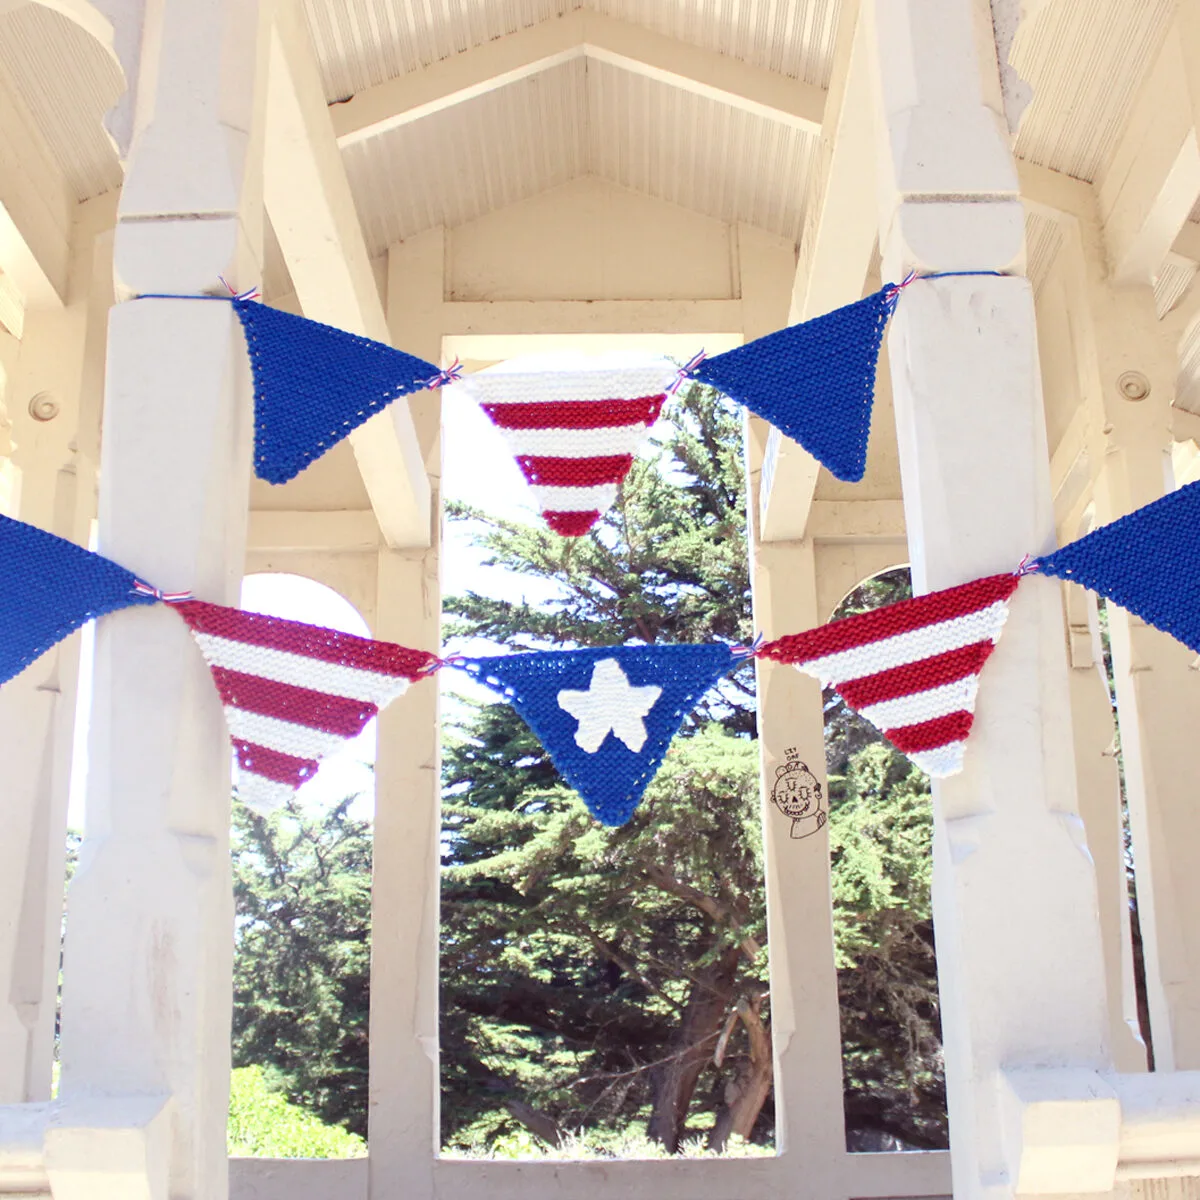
x=606, y=716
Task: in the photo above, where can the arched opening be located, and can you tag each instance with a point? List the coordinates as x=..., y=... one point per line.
x=302, y=892
x=604, y=990
x=880, y=843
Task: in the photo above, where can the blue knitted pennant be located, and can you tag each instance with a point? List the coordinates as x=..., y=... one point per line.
x=313, y=384
x=1147, y=562
x=814, y=381
x=48, y=588
x=606, y=716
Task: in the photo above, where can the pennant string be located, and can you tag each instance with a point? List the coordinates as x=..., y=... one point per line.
x=1029, y=565
x=234, y=298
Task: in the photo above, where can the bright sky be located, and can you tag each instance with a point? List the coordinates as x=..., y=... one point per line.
x=477, y=470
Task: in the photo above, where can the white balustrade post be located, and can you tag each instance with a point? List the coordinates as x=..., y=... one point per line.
x=1020, y=964
x=147, y=983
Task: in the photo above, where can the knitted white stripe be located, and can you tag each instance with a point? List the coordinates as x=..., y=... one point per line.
x=288, y=738
x=580, y=499
x=300, y=670
x=903, y=648
x=575, y=443
x=261, y=794
x=917, y=707
x=546, y=387
x=942, y=761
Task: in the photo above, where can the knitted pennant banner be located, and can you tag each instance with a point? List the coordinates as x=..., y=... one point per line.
x=293, y=693
x=313, y=384
x=912, y=668
x=574, y=433
x=1147, y=562
x=49, y=588
x=815, y=381
x=606, y=716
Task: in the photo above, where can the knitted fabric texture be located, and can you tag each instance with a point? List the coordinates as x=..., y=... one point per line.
x=293, y=693
x=1147, y=562
x=49, y=588
x=314, y=384
x=573, y=433
x=911, y=669
x=606, y=717
x=814, y=382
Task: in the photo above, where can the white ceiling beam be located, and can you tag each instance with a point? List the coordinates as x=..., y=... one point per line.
x=347, y=532
x=840, y=231
x=36, y=208
x=482, y=69
x=1153, y=179
x=312, y=211
x=1054, y=194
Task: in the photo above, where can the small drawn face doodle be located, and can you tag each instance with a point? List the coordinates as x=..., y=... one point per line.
x=796, y=791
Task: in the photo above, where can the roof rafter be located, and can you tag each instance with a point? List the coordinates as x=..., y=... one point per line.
x=1153, y=179
x=36, y=208
x=516, y=56
x=312, y=211
x=840, y=230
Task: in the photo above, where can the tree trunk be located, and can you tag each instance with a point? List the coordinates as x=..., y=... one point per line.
x=745, y=1096
x=675, y=1081
x=540, y=1124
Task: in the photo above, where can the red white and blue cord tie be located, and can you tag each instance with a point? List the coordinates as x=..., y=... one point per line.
x=750, y=651
x=1029, y=565
x=685, y=372
x=437, y=663
x=451, y=374
x=145, y=589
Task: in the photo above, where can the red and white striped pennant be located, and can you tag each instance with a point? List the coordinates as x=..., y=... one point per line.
x=293, y=693
x=911, y=669
x=574, y=433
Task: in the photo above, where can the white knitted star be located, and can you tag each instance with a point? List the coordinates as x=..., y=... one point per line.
x=609, y=703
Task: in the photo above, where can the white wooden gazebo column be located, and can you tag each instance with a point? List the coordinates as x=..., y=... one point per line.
x=805, y=1018
x=1131, y=370
x=404, y=1134
x=147, y=981
x=1021, y=971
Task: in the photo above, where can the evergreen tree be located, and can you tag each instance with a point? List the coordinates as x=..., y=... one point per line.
x=302, y=891
x=589, y=974
x=880, y=843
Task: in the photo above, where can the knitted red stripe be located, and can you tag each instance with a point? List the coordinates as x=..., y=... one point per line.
x=571, y=524
x=895, y=619
x=577, y=414
x=301, y=706
x=312, y=641
x=274, y=765
x=575, y=472
x=917, y=676
x=930, y=735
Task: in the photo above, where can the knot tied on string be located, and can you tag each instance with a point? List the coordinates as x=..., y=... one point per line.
x=1029, y=565
x=750, y=651
x=451, y=374
x=145, y=589
x=685, y=372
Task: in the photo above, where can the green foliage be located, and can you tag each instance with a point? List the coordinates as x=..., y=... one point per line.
x=264, y=1124
x=570, y=950
x=302, y=889
x=880, y=843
